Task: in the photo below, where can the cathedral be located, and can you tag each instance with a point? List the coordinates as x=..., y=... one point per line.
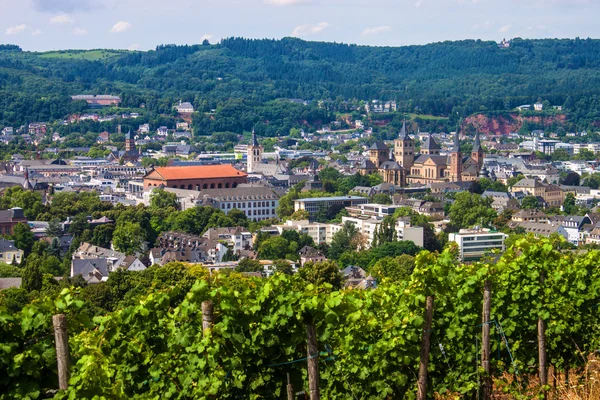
x=429, y=166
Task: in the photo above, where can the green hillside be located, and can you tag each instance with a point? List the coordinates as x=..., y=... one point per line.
x=440, y=79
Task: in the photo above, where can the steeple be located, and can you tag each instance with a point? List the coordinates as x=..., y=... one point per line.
x=403, y=134
x=27, y=185
x=456, y=145
x=254, y=141
x=477, y=144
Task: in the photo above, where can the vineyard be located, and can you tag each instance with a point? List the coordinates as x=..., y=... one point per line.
x=542, y=306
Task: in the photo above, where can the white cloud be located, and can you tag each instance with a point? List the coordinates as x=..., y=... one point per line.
x=505, y=28
x=133, y=47
x=306, y=30
x=419, y=3
x=120, y=27
x=61, y=19
x=80, y=32
x=37, y=32
x=285, y=2
x=207, y=36
x=13, y=30
x=376, y=30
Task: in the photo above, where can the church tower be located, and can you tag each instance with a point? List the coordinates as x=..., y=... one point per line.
x=477, y=152
x=404, y=149
x=129, y=142
x=254, y=155
x=456, y=160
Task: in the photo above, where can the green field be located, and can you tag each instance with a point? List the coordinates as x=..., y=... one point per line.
x=427, y=117
x=89, y=55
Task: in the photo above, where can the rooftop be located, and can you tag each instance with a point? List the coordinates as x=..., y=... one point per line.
x=335, y=198
x=198, y=172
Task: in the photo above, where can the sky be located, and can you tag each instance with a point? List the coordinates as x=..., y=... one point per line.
x=42, y=25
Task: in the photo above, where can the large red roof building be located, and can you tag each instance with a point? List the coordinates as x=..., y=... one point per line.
x=195, y=177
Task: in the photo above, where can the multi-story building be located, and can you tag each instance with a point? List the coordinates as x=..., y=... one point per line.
x=373, y=210
x=314, y=205
x=198, y=177
x=319, y=233
x=476, y=243
x=368, y=226
x=10, y=218
x=237, y=238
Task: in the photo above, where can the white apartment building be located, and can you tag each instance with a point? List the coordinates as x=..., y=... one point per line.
x=373, y=210
x=314, y=205
x=319, y=233
x=475, y=243
x=368, y=226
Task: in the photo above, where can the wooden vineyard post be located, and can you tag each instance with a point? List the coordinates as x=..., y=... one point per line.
x=290, y=388
x=425, y=344
x=485, y=341
x=62, y=350
x=543, y=373
x=313, y=361
x=207, y=315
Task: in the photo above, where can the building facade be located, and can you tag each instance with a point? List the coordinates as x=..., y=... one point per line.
x=427, y=167
x=195, y=177
x=476, y=243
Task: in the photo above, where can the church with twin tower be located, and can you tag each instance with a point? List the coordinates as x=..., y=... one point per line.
x=429, y=166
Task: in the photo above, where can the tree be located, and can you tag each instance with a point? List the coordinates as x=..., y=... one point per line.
x=300, y=215
x=229, y=256
x=569, y=206
x=585, y=154
x=54, y=228
x=593, y=181
x=320, y=273
x=54, y=248
x=283, y=266
x=343, y=240
x=471, y=209
x=561, y=155
x=381, y=198
x=277, y=247
x=386, y=232
x=514, y=179
x=529, y=202
x=78, y=225
x=161, y=199
x=570, y=178
x=249, y=265
x=103, y=235
x=397, y=269
x=238, y=217
x=32, y=276
x=286, y=202
x=51, y=265
x=128, y=238
x=23, y=237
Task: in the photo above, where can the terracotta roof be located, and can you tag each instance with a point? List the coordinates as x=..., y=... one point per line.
x=199, y=172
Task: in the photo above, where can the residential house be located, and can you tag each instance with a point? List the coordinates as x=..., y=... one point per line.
x=532, y=215
x=237, y=238
x=9, y=253
x=310, y=254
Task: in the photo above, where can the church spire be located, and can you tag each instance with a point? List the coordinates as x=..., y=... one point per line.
x=456, y=146
x=254, y=141
x=477, y=144
x=403, y=134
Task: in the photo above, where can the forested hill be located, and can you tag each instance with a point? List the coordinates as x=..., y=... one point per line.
x=439, y=78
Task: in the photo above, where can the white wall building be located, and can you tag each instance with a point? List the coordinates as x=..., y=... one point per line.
x=475, y=243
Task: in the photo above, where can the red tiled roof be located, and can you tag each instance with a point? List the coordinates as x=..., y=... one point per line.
x=198, y=172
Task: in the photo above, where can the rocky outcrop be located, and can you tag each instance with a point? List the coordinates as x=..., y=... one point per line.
x=505, y=124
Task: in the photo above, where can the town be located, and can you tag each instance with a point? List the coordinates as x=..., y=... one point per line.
x=286, y=202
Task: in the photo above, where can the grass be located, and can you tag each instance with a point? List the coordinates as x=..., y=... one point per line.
x=88, y=55
x=427, y=117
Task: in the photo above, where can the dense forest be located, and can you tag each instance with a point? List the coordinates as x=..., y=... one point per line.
x=444, y=79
